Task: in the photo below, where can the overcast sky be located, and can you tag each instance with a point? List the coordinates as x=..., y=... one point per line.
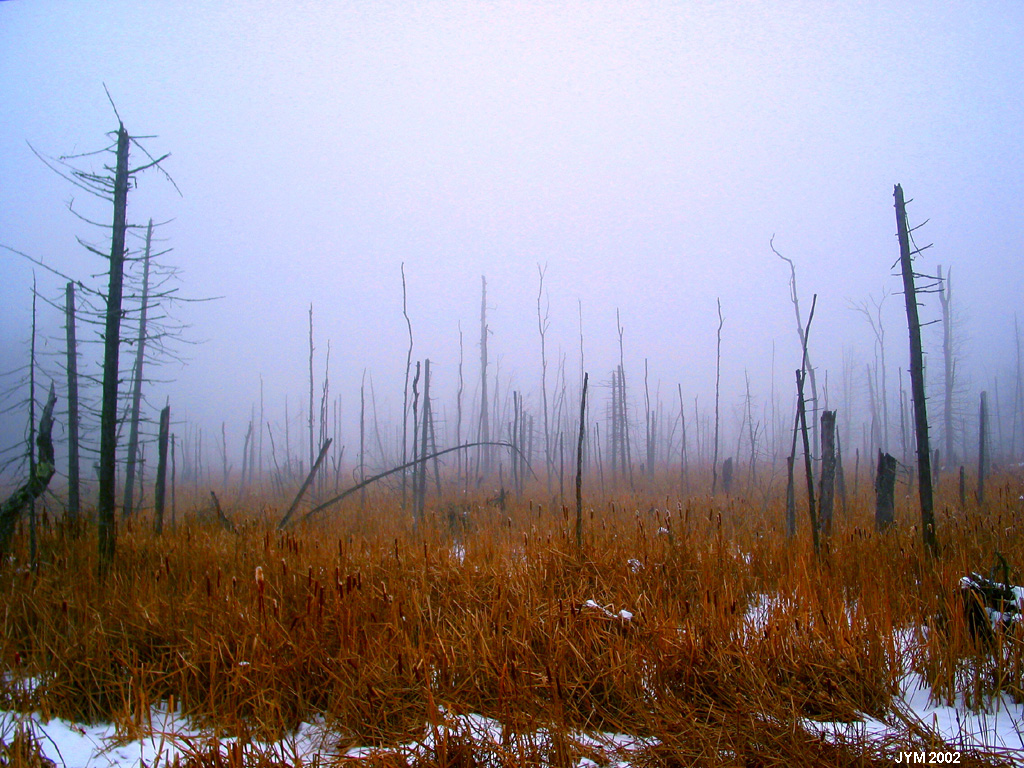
x=645, y=152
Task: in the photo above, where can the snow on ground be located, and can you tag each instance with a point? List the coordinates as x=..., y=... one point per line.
x=999, y=726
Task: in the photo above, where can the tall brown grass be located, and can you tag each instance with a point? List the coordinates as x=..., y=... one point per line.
x=380, y=628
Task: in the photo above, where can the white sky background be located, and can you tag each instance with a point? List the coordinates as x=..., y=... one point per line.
x=646, y=152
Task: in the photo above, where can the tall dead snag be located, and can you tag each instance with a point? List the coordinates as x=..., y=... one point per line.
x=800, y=427
x=885, y=491
x=312, y=450
x=543, y=322
x=625, y=450
x=982, y=446
x=106, y=503
x=579, y=466
x=924, y=459
x=828, y=471
x=808, y=468
x=791, y=494
x=801, y=330
x=405, y=396
x=420, y=485
x=684, y=484
x=718, y=379
x=484, y=431
x=42, y=470
x=949, y=371
x=137, y=379
x=161, y=469
x=74, y=482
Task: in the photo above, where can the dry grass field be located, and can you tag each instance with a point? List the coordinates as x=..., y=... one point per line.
x=694, y=626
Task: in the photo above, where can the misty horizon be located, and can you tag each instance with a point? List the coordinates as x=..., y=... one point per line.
x=644, y=157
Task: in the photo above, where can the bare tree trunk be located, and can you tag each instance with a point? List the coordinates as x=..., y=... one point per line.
x=421, y=475
x=885, y=490
x=312, y=450
x=579, y=467
x=161, y=469
x=460, y=459
x=485, y=429
x=305, y=485
x=74, y=482
x=684, y=483
x=140, y=359
x=648, y=454
x=106, y=503
x=405, y=395
x=1018, y=396
x=828, y=471
x=924, y=470
x=542, y=327
x=982, y=446
x=800, y=330
x=416, y=467
x=626, y=455
x=174, y=472
x=718, y=379
x=945, y=300
x=808, y=468
x=790, y=496
x=33, y=544
x=362, y=440
x=39, y=478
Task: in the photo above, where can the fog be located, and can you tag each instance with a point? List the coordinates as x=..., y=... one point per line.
x=643, y=154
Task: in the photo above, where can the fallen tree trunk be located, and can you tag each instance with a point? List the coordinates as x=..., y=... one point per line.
x=420, y=460
x=36, y=485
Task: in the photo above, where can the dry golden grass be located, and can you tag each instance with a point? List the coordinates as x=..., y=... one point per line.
x=376, y=626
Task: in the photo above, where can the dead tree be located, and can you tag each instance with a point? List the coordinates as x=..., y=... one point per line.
x=684, y=484
x=800, y=427
x=405, y=395
x=137, y=379
x=106, y=503
x=484, y=428
x=924, y=470
x=945, y=286
x=828, y=471
x=579, y=466
x=312, y=451
x=885, y=491
x=543, y=322
x=161, y=469
x=625, y=451
x=718, y=379
x=873, y=315
x=74, y=462
x=421, y=474
x=982, y=446
x=800, y=330
x=39, y=478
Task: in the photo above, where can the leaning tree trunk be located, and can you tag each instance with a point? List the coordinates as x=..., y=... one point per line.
x=924, y=459
x=140, y=359
x=106, y=503
x=39, y=478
